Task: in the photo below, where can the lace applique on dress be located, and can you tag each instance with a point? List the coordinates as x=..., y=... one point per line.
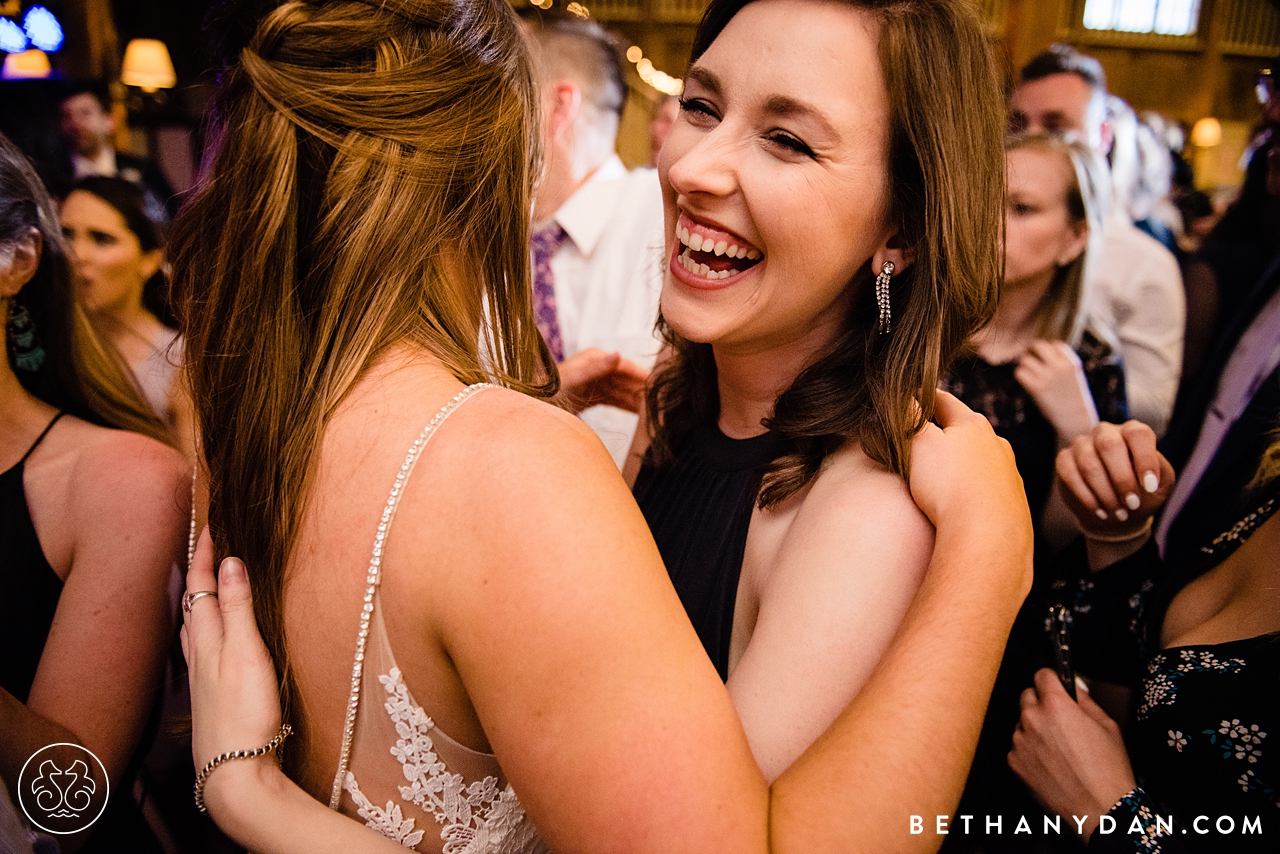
x=476, y=818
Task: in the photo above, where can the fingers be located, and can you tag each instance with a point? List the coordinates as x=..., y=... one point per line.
x=1113, y=451
x=203, y=619
x=236, y=600
x=1095, y=475
x=949, y=410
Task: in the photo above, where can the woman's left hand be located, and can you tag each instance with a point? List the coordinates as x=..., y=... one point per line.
x=1070, y=754
x=235, y=699
x=1052, y=374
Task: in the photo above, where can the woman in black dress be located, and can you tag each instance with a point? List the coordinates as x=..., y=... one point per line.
x=84, y=622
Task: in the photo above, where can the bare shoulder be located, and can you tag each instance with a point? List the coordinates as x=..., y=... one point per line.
x=525, y=437
x=116, y=477
x=852, y=486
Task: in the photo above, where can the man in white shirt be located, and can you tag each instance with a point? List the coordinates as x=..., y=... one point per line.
x=1136, y=284
x=598, y=233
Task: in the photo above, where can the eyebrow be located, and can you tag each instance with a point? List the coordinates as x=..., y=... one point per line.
x=775, y=105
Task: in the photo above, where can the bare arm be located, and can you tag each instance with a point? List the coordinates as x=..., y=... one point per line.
x=838, y=586
x=124, y=514
x=934, y=682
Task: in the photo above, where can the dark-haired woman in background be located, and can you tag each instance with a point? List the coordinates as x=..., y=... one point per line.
x=93, y=510
x=115, y=233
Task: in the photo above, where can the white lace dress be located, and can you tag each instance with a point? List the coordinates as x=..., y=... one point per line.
x=399, y=772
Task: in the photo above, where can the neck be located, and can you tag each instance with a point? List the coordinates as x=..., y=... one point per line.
x=566, y=173
x=1013, y=327
x=128, y=318
x=750, y=382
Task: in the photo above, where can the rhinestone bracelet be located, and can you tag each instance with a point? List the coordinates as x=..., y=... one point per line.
x=285, y=732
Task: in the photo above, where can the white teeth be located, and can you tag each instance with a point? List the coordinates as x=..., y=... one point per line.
x=732, y=251
x=720, y=247
x=696, y=242
x=703, y=269
x=752, y=254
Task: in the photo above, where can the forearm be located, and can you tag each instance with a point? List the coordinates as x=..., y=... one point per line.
x=255, y=804
x=904, y=746
x=25, y=732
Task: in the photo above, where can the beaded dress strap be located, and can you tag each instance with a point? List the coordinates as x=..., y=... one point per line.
x=375, y=577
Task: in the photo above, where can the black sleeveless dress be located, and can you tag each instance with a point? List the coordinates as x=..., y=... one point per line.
x=29, y=593
x=29, y=588
x=698, y=509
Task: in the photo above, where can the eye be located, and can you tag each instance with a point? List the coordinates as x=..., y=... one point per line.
x=791, y=143
x=68, y=234
x=698, y=111
x=101, y=238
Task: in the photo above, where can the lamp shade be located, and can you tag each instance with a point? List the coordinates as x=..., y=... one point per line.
x=1206, y=134
x=147, y=66
x=29, y=65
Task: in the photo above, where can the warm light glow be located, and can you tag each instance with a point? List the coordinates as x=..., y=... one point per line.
x=634, y=53
x=1206, y=134
x=645, y=67
x=578, y=9
x=28, y=65
x=147, y=66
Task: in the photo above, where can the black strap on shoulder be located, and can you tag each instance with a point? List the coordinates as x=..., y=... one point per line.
x=40, y=438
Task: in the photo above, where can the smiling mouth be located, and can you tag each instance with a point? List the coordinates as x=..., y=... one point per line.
x=711, y=253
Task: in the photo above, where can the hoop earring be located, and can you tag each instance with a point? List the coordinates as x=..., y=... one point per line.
x=28, y=355
x=882, y=297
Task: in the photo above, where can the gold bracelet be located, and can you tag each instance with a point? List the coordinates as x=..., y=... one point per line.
x=285, y=732
x=1127, y=538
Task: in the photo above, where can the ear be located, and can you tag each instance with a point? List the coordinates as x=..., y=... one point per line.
x=896, y=251
x=22, y=265
x=1106, y=136
x=564, y=102
x=1075, y=243
x=151, y=262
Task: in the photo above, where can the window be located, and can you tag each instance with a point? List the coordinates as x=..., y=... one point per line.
x=1163, y=17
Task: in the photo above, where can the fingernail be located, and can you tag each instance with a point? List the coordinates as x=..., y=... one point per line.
x=1122, y=515
x=230, y=568
x=1101, y=514
x=1150, y=481
x=1133, y=501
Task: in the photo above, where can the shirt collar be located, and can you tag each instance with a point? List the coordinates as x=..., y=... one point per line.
x=584, y=215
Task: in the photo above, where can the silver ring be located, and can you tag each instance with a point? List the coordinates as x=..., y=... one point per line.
x=189, y=599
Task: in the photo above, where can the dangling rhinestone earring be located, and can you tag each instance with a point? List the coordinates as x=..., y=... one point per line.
x=882, y=296
x=27, y=352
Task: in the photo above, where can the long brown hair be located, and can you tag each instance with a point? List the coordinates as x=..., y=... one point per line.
x=946, y=170
x=81, y=374
x=369, y=183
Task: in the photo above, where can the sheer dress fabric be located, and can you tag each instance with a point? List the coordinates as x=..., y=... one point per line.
x=399, y=773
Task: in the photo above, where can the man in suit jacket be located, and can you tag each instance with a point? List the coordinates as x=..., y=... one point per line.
x=88, y=125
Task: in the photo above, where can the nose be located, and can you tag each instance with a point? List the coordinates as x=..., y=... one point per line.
x=705, y=167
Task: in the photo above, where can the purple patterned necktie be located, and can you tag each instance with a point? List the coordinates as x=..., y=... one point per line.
x=545, y=243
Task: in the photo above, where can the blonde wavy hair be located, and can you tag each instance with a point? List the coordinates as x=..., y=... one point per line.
x=368, y=183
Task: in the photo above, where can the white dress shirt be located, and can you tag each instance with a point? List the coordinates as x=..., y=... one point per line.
x=608, y=278
x=1136, y=290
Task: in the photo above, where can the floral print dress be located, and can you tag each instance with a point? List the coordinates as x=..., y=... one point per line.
x=1204, y=739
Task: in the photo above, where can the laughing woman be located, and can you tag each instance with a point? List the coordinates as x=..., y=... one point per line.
x=529, y=613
